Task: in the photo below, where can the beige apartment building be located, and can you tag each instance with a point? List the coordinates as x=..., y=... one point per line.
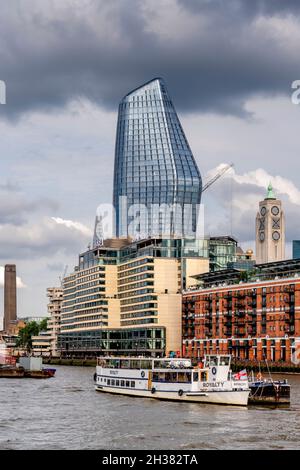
x=45, y=344
x=125, y=297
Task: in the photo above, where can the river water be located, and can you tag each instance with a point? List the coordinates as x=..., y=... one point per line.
x=66, y=413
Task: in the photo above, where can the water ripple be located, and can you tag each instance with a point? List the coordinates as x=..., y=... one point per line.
x=66, y=413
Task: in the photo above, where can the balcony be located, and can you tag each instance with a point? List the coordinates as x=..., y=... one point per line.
x=227, y=296
x=227, y=314
x=240, y=313
x=208, y=333
x=240, y=295
x=228, y=333
x=240, y=333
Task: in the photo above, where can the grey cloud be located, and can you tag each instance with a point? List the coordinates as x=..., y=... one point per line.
x=242, y=220
x=242, y=8
x=49, y=57
x=44, y=238
x=15, y=207
x=55, y=267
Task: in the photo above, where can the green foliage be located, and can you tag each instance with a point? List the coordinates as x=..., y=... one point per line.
x=32, y=328
x=246, y=276
x=43, y=324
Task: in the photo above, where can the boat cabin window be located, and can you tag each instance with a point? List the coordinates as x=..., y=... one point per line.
x=122, y=383
x=127, y=383
x=195, y=376
x=132, y=384
x=172, y=377
x=203, y=376
x=109, y=363
x=146, y=364
x=124, y=364
x=112, y=363
x=172, y=364
x=224, y=361
x=211, y=361
x=117, y=383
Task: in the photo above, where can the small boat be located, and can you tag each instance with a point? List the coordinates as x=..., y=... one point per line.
x=11, y=372
x=28, y=367
x=40, y=374
x=269, y=391
x=172, y=379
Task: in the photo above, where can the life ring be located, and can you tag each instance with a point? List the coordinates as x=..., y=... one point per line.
x=153, y=390
x=180, y=392
x=214, y=370
x=143, y=373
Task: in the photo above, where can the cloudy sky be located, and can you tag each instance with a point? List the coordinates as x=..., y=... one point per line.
x=228, y=65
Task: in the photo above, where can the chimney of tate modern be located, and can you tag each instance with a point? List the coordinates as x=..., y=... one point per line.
x=10, y=297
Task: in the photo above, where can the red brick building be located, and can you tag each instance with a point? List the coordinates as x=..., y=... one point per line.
x=252, y=318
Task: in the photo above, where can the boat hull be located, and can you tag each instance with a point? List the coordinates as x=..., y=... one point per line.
x=11, y=373
x=236, y=398
x=270, y=393
x=19, y=372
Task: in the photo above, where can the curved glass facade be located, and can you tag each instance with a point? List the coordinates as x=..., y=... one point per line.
x=157, y=184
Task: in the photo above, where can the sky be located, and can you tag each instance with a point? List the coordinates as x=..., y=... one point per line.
x=229, y=67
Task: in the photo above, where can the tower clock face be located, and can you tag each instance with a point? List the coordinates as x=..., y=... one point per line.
x=275, y=210
x=276, y=236
x=262, y=236
x=263, y=211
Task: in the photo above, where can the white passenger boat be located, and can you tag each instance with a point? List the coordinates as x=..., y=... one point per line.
x=172, y=379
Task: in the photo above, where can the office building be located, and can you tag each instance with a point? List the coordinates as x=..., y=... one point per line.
x=124, y=297
x=157, y=184
x=253, y=316
x=296, y=249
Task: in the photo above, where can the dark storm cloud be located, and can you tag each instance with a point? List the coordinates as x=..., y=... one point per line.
x=51, y=54
x=246, y=8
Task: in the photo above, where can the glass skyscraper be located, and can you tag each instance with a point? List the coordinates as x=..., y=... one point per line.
x=157, y=184
x=296, y=249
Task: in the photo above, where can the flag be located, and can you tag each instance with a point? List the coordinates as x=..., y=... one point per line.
x=296, y=355
x=242, y=375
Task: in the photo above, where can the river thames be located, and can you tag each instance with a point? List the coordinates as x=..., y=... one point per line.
x=66, y=413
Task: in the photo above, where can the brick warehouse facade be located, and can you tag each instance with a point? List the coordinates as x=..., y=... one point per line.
x=251, y=319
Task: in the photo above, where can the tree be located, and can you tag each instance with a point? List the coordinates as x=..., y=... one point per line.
x=32, y=328
x=43, y=324
x=25, y=335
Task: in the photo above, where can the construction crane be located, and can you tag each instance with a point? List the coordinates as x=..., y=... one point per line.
x=61, y=278
x=217, y=176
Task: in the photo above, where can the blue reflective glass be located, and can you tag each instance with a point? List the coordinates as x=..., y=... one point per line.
x=153, y=161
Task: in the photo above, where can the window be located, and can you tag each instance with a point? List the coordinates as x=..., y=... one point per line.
x=127, y=383
x=117, y=383
x=108, y=381
x=122, y=383
x=132, y=384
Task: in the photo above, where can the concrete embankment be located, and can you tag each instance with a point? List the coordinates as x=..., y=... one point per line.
x=263, y=367
x=71, y=362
